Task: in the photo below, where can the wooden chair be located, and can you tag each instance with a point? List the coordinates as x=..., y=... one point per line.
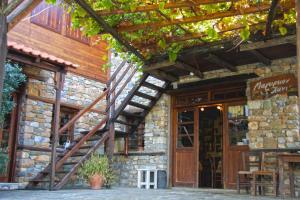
x=251, y=161
x=267, y=176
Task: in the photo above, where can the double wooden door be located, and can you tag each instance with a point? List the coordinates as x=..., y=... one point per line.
x=185, y=166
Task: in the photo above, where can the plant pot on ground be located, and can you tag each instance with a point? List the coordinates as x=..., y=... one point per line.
x=96, y=171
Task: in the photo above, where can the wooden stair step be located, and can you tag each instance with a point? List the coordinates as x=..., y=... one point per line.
x=145, y=96
x=99, y=132
x=120, y=133
x=124, y=123
x=135, y=104
x=70, y=163
x=152, y=86
x=94, y=138
x=128, y=114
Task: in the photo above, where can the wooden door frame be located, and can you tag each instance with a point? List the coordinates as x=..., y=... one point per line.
x=174, y=144
x=15, y=116
x=226, y=145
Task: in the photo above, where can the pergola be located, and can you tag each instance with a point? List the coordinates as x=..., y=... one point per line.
x=208, y=39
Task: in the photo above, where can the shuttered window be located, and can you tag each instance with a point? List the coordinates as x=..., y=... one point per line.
x=75, y=34
x=48, y=16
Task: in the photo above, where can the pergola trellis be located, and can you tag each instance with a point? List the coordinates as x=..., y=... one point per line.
x=190, y=14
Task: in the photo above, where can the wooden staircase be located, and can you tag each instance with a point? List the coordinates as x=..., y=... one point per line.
x=68, y=162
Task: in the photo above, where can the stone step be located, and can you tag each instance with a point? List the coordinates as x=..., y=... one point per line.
x=124, y=123
x=128, y=114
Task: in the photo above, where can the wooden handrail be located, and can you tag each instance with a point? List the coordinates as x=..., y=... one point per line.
x=88, y=108
x=82, y=112
x=119, y=80
x=78, y=144
x=121, y=89
x=113, y=76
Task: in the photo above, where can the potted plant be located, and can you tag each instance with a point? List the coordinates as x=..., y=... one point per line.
x=3, y=161
x=96, y=171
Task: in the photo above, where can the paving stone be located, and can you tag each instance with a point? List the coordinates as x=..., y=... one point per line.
x=127, y=194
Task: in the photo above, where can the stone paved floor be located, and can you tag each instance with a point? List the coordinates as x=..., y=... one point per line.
x=126, y=194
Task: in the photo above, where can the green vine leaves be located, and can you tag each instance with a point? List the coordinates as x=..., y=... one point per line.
x=155, y=39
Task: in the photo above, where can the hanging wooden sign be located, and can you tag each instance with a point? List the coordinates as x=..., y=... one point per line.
x=268, y=87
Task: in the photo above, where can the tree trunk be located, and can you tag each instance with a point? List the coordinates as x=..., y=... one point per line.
x=3, y=46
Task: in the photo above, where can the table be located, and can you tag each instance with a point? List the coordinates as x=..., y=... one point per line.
x=287, y=158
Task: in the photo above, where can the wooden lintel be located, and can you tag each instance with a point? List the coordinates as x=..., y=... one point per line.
x=221, y=62
x=262, y=58
x=162, y=75
x=108, y=29
x=189, y=68
x=291, y=39
x=28, y=60
x=158, y=65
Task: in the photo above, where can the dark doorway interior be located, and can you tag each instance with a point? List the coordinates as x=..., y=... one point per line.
x=210, y=147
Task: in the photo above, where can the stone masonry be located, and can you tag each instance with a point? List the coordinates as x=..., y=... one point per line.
x=36, y=123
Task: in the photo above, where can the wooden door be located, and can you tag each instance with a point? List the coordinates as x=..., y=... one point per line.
x=235, y=140
x=8, y=140
x=185, y=145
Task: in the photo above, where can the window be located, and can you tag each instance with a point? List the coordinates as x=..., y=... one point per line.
x=185, y=129
x=75, y=34
x=66, y=114
x=52, y=18
x=136, y=140
x=238, y=124
x=48, y=16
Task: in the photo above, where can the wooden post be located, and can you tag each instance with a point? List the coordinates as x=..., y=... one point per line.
x=3, y=45
x=111, y=113
x=55, y=129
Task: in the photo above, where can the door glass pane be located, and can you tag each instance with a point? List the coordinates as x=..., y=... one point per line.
x=238, y=124
x=185, y=130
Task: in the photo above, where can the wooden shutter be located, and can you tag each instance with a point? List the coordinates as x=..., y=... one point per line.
x=48, y=16
x=75, y=34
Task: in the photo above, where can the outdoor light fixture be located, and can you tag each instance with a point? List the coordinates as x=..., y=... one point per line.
x=192, y=74
x=219, y=107
x=202, y=109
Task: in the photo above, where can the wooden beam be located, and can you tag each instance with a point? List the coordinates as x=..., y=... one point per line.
x=109, y=29
x=21, y=11
x=169, y=5
x=159, y=65
x=3, y=46
x=55, y=137
x=156, y=25
x=262, y=58
x=12, y=6
x=271, y=17
x=189, y=68
x=291, y=39
x=189, y=36
x=163, y=75
x=220, y=62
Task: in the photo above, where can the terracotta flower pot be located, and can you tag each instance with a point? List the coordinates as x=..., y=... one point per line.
x=96, y=181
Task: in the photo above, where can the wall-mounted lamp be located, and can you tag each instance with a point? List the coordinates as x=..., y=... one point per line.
x=219, y=107
x=202, y=109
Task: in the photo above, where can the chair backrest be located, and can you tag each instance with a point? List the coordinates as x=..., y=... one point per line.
x=251, y=160
x=269, y=161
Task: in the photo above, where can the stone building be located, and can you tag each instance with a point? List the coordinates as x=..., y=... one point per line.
x=194, y=119
x=27, y=132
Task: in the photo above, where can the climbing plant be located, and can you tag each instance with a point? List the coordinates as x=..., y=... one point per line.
x=13, y=79
x=153, y=32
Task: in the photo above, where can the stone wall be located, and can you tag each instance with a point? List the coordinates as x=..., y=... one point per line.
x=37, y=116
x=156, y=149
